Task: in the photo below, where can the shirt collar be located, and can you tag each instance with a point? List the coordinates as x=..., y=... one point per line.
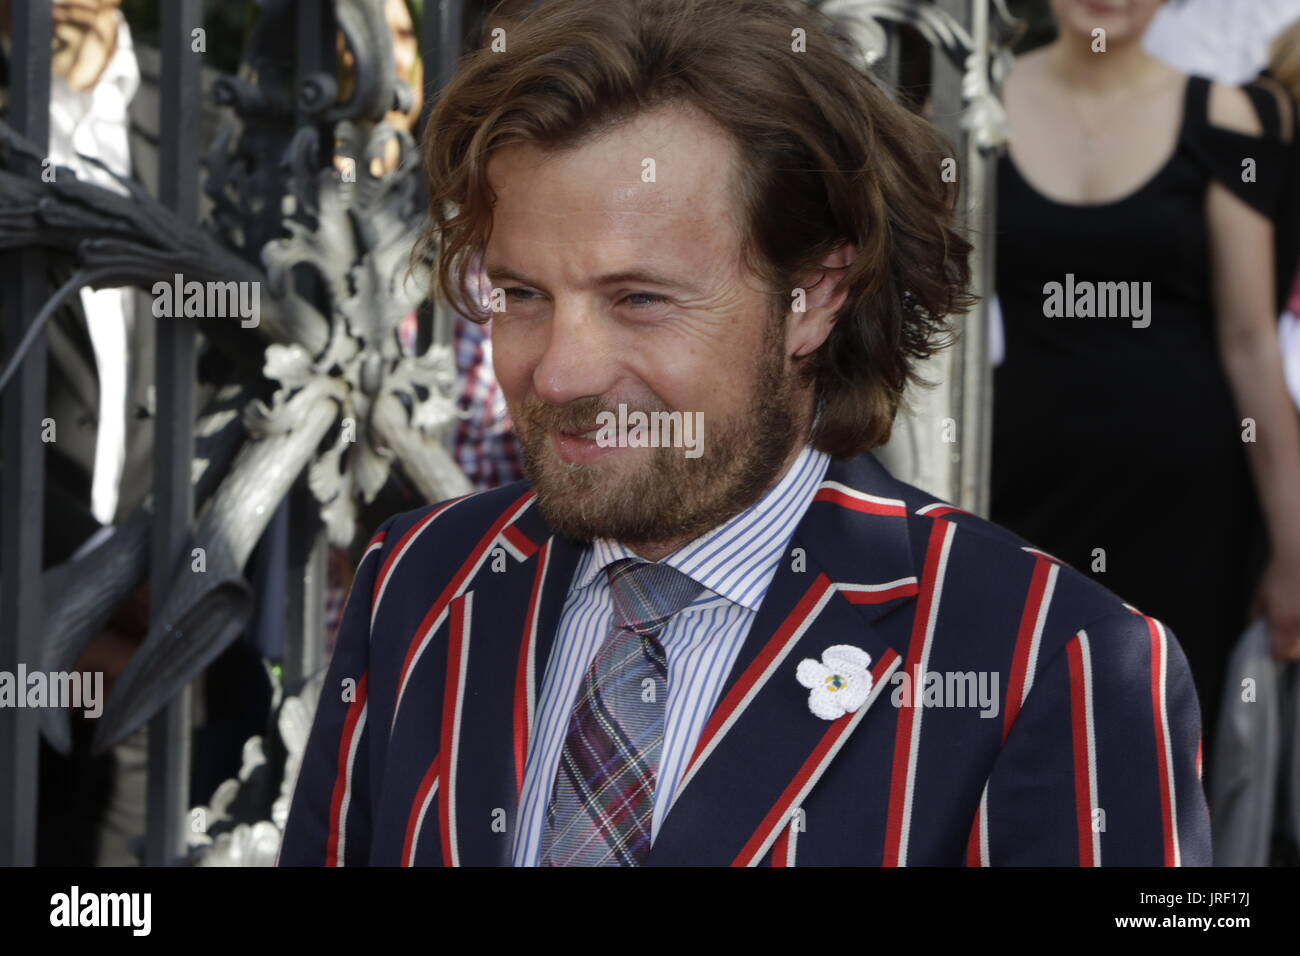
x=736, y=560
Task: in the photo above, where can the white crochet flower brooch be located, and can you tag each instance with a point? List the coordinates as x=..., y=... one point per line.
x=839, y=683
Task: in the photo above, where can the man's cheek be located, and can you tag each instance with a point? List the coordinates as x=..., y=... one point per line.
x=511, y=376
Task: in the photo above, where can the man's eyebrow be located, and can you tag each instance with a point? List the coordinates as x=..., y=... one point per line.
x=648, y=276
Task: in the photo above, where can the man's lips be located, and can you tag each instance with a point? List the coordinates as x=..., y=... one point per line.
x=580, y=447
x=581, y=432
x=1101, y=8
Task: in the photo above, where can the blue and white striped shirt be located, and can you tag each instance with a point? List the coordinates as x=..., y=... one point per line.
x=735, y=563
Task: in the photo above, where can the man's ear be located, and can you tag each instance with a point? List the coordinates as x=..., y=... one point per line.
x=821, y=301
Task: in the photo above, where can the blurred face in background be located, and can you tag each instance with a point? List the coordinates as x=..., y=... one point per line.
x=1123, y=20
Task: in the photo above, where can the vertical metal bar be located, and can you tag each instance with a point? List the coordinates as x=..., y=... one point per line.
x=310, y=36
x=946, y=97
x=441, y=29
x=304, y=636
x=962, y=478
x=267, y=573
x=315, y=48
x=23, y=477
x=304, y=630
x=441, y=33
x=167, y=801
x=971, y=376
x=977, y=374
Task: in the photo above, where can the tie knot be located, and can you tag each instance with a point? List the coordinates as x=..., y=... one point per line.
x=646, y=595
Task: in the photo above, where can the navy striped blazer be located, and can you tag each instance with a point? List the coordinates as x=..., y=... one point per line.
x=417, y=753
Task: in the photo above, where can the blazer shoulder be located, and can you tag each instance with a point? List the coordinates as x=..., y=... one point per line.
x=465, y=512
x=924, y=508
x=437, y=537
x=1077, y=596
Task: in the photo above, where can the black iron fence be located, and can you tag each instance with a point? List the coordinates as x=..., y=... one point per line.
x=239, y=462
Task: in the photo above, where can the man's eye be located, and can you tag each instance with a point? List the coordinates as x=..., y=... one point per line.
x=636, y=299
x=652, y=299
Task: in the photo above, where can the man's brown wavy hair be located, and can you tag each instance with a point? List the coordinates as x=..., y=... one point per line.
x=823, y=156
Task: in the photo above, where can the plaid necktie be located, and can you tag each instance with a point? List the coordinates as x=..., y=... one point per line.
x=602, y=802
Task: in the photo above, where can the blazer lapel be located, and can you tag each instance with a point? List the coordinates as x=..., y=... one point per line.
x=849, y=566
x=501, y=634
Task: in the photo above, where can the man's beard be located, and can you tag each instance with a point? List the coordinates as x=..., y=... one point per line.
x=670, y=496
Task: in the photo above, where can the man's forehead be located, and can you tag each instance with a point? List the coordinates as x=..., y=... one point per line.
x=645, y=197
x=669, y=162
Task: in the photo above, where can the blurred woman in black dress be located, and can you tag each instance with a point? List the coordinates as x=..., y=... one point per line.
x=1119, y=440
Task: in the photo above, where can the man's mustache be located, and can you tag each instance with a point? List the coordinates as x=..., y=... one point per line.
x=575, y=417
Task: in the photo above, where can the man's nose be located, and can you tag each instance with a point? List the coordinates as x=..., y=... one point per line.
x=578, y=361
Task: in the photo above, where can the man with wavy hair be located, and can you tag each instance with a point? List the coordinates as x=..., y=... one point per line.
x=755, y=646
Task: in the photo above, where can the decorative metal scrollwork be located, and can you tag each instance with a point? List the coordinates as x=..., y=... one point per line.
x=340, y=396
x=983, y=67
